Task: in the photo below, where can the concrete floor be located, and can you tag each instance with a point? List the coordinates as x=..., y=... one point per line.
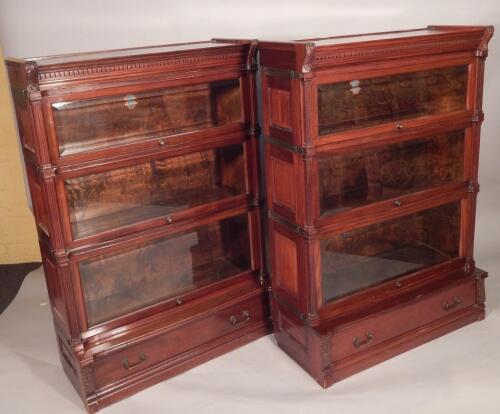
x=458, y=373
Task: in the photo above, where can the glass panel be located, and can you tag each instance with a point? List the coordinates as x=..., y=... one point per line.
x=367, y=102
x=370, y=255
x=116, y=198
x=100, y=123
x=116, y=284
x=357, y=178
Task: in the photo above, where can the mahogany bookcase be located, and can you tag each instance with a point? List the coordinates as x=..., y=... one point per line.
x=372, y=146
x=143, y=170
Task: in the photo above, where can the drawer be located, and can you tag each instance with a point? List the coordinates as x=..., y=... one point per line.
x=178, y=340
x=376, y=329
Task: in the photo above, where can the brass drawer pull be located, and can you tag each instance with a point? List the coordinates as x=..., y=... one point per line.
x=397, y=203
x=358, y=343
x=169, y=220
x=161, y=143
x=447, y=306
x=128, y=365
x=235, y=322
x=399, y=126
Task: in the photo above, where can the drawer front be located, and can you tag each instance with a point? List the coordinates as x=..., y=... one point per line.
x=368, y=102
x=379, y=328
x=121, y=364
x=86, y=126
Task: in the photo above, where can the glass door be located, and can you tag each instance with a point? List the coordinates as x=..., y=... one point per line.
x=368, y=102
x=120, y=197
x=366, y=256
x=360, y=177
x=116, y=284
x=106, y=122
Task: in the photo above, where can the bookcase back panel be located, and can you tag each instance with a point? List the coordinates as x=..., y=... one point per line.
x=362, y=103
x=356, y=178
x=120, y=197
x=93, y=124
x=367, y=256
x=116, y=284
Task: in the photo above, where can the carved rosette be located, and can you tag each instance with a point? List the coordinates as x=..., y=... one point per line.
x=32, y=88
x=306, y=66
x=325, y=352
x=252, y=56
x=88, y=380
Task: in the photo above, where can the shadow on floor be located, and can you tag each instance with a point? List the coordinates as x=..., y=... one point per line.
x=11, y=279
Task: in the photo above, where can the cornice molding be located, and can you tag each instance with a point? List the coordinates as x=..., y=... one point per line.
x=356, y=53
x=93, y=69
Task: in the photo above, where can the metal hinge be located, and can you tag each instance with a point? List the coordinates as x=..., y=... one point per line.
x=252, y=67
x=262, y=277
x=293, y=227
x=302, y=151
x=46, y=171
x=61, y=256
x=473, y=188
x=255, y=202
x=477, y=118
x=254, y=130
x=283, y=73
x=481, y=53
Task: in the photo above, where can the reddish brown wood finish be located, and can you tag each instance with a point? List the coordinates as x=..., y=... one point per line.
x=337, y=338
x=199, y=97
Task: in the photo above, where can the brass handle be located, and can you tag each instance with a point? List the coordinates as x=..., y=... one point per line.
x=128, y=365
x=447, y=306
x=399, y=126
x=397, y=203
x=358, y=343
x=234, y=320
x=161, y=143
x=169, y=220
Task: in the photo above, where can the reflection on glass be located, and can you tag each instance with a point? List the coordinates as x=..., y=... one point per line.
x=357, y=178
x=117, y=284
x=370, y=255
x=100, y=123
x=116, y=198
x=366, y=102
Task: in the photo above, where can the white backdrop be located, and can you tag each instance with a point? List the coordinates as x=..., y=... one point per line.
x=34, y=28
x=458, y=373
